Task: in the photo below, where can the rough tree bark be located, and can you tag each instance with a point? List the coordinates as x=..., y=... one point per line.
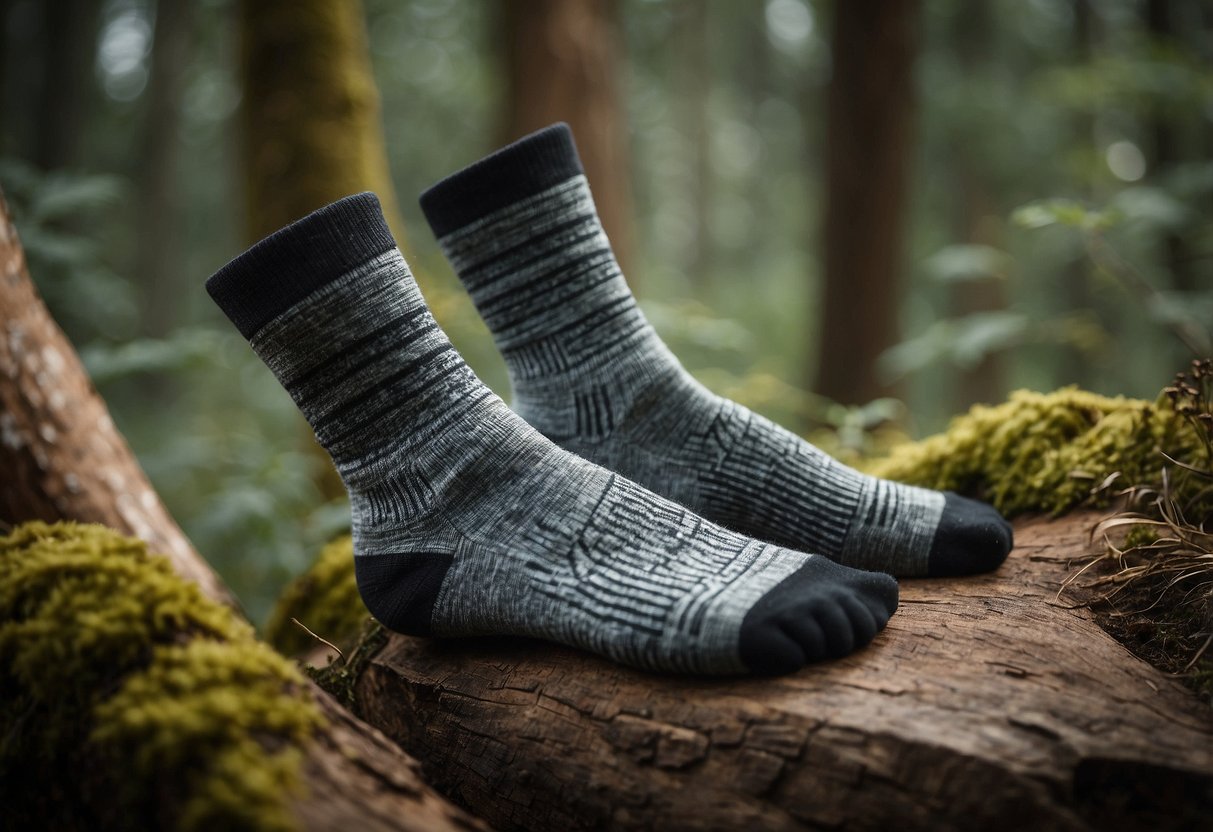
x=62, y=459
x=562, y=64
x=869, y=117
x=986, y=704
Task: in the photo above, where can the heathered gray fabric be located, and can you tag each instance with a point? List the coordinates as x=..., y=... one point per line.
x=591, y=374
x=545, y=544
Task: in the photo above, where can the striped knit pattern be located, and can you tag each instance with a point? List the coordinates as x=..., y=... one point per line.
x=591, y=374
x=540, y=542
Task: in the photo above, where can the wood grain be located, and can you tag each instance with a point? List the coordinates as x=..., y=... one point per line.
x=985, y=704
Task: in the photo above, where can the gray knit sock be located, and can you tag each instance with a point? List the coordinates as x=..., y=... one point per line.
x=467, y=521
x=591, y=374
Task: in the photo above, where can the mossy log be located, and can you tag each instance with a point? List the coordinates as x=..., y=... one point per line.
x=60, y=455
x=62, y=458
x=987, y=703
x=134, y=702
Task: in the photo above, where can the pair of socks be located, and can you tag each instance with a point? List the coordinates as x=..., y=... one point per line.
x=750, y=553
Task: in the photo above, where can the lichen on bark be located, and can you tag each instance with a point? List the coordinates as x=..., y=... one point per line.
x=132, y=701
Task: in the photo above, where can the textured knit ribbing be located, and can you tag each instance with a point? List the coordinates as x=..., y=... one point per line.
x=538, y=542
x=408, y=425
x=590, y=373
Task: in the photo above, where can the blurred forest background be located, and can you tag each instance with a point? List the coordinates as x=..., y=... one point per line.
x=858, y=217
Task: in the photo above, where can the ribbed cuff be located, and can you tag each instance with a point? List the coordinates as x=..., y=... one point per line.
x=290, y=264
x=532, y=164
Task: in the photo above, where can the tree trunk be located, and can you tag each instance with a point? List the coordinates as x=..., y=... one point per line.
x=60, y=454
x=310, y=112
x=696, y=85
x=986, y=704
x=63, y=460
x=156, y=260
x=868, y=142
x=1073, y=366
x=70, y=37
x=975, y=218
x=562, y=64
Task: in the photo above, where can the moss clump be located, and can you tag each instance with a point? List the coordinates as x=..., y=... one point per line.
x=131, y=700
x=324, y=598
x=1045, y=451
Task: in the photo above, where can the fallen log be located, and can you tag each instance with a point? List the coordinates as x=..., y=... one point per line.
x=988, y=703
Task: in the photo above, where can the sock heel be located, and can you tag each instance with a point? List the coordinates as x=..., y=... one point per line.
x=400, y=589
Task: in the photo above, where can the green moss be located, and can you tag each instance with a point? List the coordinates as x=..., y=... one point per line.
x=340, y=676
x=131, y=700
x=1045, y=451
x=324, y=598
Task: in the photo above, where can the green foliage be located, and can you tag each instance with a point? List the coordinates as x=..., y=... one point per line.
x=63, y=218
x=128, y=692
x=965, y=262
x=227, y=451
x=325, y=599
x=1045, y=452
x=966, y=341
x=1067, y=212
x=186, y=349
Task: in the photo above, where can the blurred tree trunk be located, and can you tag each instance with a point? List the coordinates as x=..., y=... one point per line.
x=976, y=218
x=692, y=34
x=63, y=459
x=1073, y=366
x=562, y=64
x=870, y=114
x=158, y=252
x=1167, y=152
x=46, y=78
x=1162, y=25
x=70, y=31
x=310, y=112
x=312, y=131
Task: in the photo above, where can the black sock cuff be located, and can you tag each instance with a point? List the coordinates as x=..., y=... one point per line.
x=532, y=164
x=290, y=264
